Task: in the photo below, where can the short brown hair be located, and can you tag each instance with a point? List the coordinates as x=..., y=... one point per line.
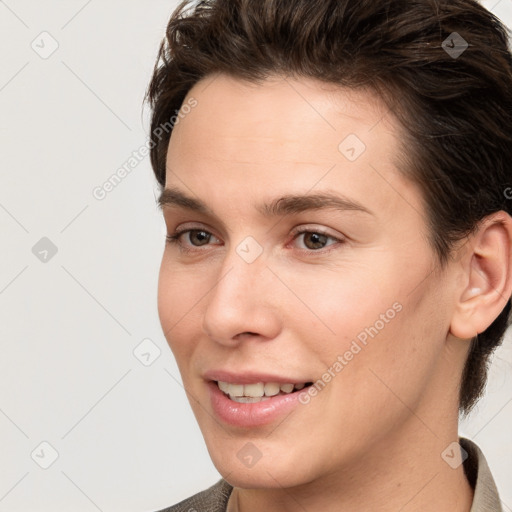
x=454, y=103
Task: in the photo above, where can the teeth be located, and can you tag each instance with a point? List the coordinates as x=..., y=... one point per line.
x=223, y=386
x=271, y=389
x=249, y=399
x=256, y=391
x=235, y=390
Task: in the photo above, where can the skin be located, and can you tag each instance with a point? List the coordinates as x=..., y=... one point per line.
x=372, y=439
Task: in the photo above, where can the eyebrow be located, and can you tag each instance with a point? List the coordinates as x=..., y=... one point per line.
x=279, y=207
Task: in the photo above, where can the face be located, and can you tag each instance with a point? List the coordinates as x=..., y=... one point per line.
x=339, y=291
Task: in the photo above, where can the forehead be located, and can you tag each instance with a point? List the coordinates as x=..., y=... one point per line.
x=296, y=113
x=287, y=135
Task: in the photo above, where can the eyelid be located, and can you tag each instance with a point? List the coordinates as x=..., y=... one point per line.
x=308, y=228
x=190, y=226
x=296, y=230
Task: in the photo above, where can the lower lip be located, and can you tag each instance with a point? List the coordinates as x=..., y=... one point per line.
x=251, y=414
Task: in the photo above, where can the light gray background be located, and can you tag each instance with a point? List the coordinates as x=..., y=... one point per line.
x=124, y=433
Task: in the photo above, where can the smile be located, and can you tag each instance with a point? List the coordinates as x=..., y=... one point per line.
x=254, y=404
x=259, y=391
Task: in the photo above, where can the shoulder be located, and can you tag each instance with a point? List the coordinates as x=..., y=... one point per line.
x=478, y=473
x=213, y=499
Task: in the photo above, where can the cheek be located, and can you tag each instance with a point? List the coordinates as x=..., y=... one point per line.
x=386, y=333
x=390, y=373
x=178, y=308
x=340, y=304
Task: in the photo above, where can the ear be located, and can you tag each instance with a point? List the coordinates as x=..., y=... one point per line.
x=487, y=277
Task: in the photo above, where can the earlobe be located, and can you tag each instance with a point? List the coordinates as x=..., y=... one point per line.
x=487, y=269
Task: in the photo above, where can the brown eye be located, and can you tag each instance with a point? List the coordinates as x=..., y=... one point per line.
x=315, y=240
x=196, y=238
x=203, y=237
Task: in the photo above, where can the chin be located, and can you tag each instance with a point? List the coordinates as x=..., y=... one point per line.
x=263, y=478
x=269, y=472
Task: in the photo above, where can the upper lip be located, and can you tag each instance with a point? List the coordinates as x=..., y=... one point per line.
x=250, y=377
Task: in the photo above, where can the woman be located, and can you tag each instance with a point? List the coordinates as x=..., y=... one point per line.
x=338, y=265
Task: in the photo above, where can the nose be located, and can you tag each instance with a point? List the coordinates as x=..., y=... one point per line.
x=242, y=304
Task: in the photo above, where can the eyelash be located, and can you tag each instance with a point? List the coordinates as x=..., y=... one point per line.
x=174, y=239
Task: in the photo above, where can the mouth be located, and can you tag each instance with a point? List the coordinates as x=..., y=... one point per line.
x=250, y=399
x=259, y=391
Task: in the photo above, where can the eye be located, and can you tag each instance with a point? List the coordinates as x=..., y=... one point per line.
x=315, y=240
x=201, y=235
